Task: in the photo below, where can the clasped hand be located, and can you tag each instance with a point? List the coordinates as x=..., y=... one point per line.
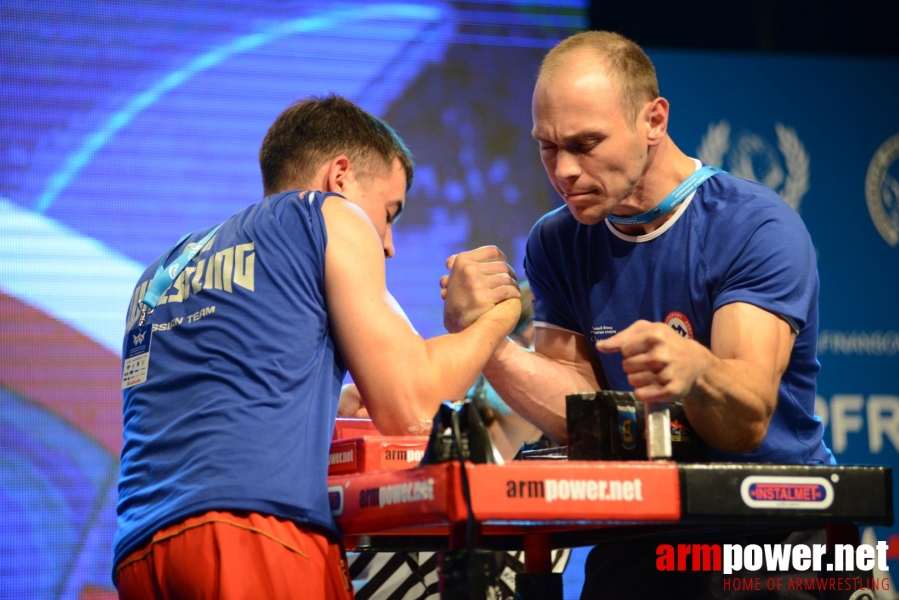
x=480, y=283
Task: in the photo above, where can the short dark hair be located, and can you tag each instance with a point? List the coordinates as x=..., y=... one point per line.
x=315, y=130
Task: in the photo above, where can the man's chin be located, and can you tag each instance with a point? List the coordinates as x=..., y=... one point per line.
x=587, y=215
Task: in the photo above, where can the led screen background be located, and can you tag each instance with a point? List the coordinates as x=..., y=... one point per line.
x=124, y=125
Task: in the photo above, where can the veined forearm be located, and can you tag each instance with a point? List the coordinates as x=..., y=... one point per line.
x=457, y=359
x=535, y=386
x=731, y=404
x=438, y=369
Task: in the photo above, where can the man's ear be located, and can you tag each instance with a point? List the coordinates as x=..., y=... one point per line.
x=657, y=120
x=338, y=174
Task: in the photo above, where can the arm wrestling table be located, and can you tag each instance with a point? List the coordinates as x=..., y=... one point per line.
x=537, y=505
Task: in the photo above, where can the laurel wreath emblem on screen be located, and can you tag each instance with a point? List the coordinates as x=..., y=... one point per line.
x=882, y=191
x=753, y=158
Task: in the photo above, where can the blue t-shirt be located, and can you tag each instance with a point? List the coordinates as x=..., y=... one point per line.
x=244, y=379
x=732, y=241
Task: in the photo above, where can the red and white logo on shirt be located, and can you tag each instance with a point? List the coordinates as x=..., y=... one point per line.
x=679, y=322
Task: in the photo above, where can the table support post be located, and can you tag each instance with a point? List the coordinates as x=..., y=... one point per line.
x=538, y=582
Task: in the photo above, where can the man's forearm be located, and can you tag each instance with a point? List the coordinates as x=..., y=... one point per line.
x=456, y=359
x=535, y=386
x=440, y=368
x=729, y=390
x=731, y=404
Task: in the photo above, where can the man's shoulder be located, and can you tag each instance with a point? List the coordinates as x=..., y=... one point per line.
x=744, y=203
x=551, y=236
x=297, y=211
x=554, y=239
x=307, y=198
x=728, y=187
x=554, y=221
x=341, y=216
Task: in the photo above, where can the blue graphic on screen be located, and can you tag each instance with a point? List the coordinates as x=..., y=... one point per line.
x=126, y=125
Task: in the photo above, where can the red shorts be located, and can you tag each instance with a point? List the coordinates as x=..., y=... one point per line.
x=231, y=556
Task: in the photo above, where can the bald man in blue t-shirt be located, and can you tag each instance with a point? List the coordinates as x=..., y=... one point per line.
x=663, y=276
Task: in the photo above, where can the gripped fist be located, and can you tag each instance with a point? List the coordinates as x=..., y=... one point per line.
x=661, y=365
x=478, y=281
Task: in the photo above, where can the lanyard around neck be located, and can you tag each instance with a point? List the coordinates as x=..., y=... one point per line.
x=672, y=200
x=164, y=276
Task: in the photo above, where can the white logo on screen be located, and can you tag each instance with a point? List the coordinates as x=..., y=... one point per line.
x=785, y=169
x=882, y=191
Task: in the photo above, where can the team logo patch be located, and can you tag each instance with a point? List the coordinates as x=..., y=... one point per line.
x=761, y=491
x=679, y=322
x=882, y=190
x=784, y=169
x=335, y=499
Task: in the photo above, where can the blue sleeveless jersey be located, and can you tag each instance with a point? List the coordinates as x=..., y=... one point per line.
x=733, y=241
x=244, y=378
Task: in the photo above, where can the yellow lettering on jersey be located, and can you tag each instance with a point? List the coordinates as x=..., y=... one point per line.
x=200, y=314
x=182, y=290
x=134, y=309
x=209, y=279
x=195, y=283
x=245, y=266
x=168, y=326
x=224, y=268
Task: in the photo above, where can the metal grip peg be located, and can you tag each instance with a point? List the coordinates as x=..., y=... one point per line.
x=658, y=431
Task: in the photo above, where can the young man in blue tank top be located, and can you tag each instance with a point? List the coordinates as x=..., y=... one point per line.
x=673, y=280
x=231, y=381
